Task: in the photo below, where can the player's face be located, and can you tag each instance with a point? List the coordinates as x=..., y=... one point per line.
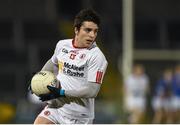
x=86, y=35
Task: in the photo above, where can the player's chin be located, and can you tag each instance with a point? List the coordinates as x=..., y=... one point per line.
x=88, y=45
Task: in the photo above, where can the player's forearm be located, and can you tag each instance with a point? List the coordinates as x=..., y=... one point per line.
x=89, y=91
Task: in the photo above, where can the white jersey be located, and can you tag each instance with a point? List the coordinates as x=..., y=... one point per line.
x=77, y=67
x=136, y=89
x=137, y=85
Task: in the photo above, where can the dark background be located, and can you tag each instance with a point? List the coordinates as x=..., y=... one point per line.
x=30, y=29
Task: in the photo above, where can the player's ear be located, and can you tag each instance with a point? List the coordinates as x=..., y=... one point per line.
x=76, y=30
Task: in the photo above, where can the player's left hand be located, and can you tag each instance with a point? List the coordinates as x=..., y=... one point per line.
x=55, y=93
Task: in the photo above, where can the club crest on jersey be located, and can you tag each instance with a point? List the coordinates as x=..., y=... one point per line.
x=82, y=56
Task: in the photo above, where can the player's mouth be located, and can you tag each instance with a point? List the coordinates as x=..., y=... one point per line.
x=89, y=41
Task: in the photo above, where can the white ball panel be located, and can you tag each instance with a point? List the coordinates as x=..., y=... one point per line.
x=40, y=81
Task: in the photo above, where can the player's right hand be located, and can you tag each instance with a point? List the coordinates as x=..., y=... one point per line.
x=29, y=89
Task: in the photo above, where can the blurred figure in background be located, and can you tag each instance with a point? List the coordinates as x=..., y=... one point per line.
x=161, y=101
x=176, y=93
x=135, y=90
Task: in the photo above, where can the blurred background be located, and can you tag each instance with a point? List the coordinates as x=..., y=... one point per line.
x=142, y=32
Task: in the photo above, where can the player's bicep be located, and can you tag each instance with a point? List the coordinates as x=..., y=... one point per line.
x=96, y=69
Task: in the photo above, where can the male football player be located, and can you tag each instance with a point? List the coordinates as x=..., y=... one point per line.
x=176, y=94
x=162, y=100
x=135, y=91
x=80, y=66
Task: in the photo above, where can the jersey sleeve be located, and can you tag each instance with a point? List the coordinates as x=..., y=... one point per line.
x=56, y=51
x=97, y=68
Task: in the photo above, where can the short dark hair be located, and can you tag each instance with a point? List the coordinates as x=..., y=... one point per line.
x=86, y=15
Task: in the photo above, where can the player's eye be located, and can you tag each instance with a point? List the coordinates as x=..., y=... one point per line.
x=95, y=31
x=87, y=30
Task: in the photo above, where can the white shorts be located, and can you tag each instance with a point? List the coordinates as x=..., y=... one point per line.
x=59, y=117
x=160, y=103
x=133, y=103
x=176, y=103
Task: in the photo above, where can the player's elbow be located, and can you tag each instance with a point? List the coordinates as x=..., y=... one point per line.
x=93, y=95
x=94, y=92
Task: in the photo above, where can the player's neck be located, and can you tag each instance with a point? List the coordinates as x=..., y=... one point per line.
x=76, y=43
